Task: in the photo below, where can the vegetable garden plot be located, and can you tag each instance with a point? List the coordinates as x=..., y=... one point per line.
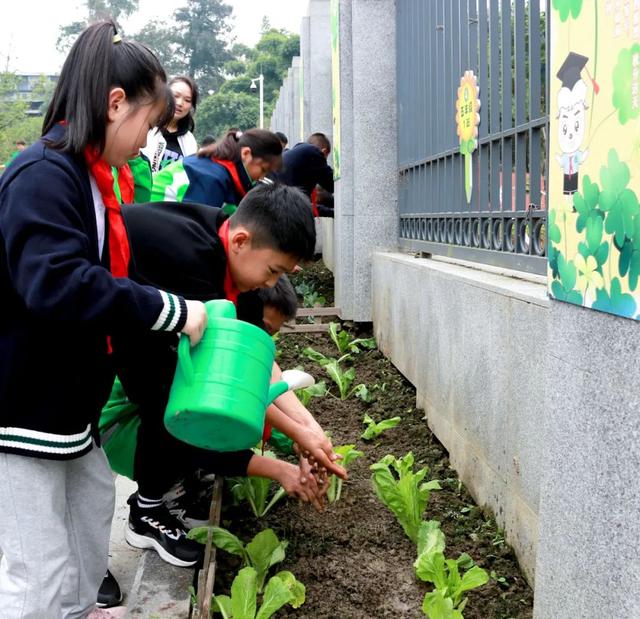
x=355, y=559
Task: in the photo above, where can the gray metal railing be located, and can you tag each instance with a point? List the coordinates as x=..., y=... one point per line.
x=505, y=43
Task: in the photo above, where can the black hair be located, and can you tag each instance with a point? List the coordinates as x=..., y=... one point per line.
x=20, y=143
x=320, y=140
x=279, y=217
x=263, y=144
x=282, y=137
x=99, y=61
x=187, y=123
x=207, y=139
x=282, y=297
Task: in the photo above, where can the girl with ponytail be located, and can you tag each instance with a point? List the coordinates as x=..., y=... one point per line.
x=64, y=258
x=221, y=173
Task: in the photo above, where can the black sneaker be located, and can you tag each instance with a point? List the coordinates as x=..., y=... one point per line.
x=157, y=529
x=109, y=593
x=190, y=502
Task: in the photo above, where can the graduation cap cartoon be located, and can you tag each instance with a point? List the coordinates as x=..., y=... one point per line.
x=570, y=71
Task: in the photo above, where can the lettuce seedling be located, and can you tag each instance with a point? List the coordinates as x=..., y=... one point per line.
x=319, y=390
x=261, y=553
x=349, y=454
x=402, y=490
x=257, y=490
x=345, y=344
x=283, y=588
x=376, y=429
x=446, y=600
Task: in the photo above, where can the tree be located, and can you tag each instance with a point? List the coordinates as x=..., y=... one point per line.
x=96, y=10
x=219, y=112
x=164, y=42
x=14, y=123
x=202, y=28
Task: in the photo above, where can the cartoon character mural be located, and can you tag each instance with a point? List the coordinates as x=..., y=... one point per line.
x=572, y=103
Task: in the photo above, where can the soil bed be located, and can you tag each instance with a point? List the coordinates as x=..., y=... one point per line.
x=355, y=559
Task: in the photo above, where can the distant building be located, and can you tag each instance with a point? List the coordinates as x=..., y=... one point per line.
x=33, y=88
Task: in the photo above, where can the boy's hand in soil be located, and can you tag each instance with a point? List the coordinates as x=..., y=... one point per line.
x=318, y=450
x=310, y=474
x=196, y=321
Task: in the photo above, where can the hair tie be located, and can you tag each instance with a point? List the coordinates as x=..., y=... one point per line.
x=238, y=135
x=117, y=38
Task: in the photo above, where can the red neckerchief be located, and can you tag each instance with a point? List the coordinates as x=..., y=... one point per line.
x=119, y=252
x=230, y=166
x=314, y=202
x=231, y=292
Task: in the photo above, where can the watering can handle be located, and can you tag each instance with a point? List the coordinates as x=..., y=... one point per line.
x=184, y=359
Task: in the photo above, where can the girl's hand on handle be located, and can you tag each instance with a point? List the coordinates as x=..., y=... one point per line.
x=196, y=321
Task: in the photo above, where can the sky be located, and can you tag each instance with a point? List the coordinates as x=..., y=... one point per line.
x=29, y=28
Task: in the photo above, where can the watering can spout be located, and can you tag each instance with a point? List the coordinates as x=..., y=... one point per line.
x=291, y=379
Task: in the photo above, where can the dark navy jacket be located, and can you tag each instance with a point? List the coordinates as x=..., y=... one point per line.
x=305, y=166
x=210, y=183
x=57, y=305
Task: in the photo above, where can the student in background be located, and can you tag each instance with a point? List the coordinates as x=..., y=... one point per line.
x=283, y=140
x=175, y=141
x=20, y=146
x=64, y=258
x=222, y=173
x=305, y=166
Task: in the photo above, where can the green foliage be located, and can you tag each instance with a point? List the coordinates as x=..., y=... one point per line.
x=622, y=93
x=261, y=553
x=282, y=589
x=223, y=110
x=310, y=296
x=96, y=10
x=402, y=490
x=374, y=429
x=567, y=7
x=349, y=454
x=344, y=343
x=318, y=390
x=446, y=600
x=202, y=27
x=257, y=490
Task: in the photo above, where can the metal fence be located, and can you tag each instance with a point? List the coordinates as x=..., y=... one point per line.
x=505, y=43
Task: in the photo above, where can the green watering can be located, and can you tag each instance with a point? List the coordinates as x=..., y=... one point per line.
x=221, y=388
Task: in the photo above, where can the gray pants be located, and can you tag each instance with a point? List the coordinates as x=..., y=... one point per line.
x=55, y=518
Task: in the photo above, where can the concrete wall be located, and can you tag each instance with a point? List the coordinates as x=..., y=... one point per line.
x=317, y=70
x=588, y=564
x=366, y=219
x=474, y=344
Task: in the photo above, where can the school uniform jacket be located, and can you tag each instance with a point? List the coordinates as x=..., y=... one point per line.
x=175, y=247
x=201, y=180
x=58, y=303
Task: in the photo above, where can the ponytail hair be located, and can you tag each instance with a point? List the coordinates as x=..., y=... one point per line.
x=99, y=61
x=263, y=144
x=187, y=123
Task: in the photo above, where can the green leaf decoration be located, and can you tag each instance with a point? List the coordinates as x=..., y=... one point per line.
x=619, y=202
x=567, y=7
x=614, y=301
x=564, y=289
x=586, y=203
x=555, y=235
x=553, y=254
x=622, y=76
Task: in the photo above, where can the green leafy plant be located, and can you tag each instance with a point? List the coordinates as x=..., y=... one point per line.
x=376, y=429
x=402, y=490
x=446, y=600
x=258, y=491
x=310, y=296
x=349, y=454
x=261, y=553
x=319, y=390
x=344, y=343
x=283, y=588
